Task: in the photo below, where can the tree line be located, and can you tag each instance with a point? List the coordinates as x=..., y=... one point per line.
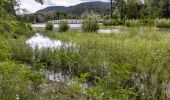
x=140, y=9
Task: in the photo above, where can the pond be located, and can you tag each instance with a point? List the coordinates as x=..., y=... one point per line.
x=40, y=41
x=115, y=30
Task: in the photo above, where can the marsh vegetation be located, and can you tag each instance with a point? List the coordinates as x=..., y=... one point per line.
x=66, y=64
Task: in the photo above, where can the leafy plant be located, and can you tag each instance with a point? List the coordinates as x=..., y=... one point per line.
x=163, y=23
x=90, y=25
x=132, y=23
x=63, y=26
x=49, y=26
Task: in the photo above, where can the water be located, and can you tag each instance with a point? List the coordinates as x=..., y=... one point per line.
x=39, y=41
x=116, y=31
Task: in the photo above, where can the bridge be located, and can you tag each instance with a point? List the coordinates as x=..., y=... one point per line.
x=72, y=21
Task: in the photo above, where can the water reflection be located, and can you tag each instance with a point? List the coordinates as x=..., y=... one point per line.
x=39, y=41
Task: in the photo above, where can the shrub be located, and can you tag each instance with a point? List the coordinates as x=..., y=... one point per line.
x=106, y=22
x=63, y=26
x=114, y=22
x=5, y=27
x=29, y=27
x=121, y=21
x=149, y=22
x=90, y=25
x=132, y=23
x=5, y=51
x=163, y=23
x=22, y=52
x=49, y=26
x=15, y=79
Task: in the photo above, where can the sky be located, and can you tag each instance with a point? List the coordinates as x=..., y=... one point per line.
x=32, y=6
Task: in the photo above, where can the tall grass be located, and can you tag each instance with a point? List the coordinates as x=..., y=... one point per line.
x=163, y=23
x=49, y=26
x=90, y=25
x=119, y=66
x=132, y=23
x=63, y=26
x=5, y=51
x=114, y=22
x=144, y=56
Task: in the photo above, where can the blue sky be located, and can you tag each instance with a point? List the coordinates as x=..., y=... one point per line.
x=32, y=6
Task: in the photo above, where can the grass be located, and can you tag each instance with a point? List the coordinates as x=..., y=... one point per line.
x=146, y=55
x=114, y=64
x=163, y=23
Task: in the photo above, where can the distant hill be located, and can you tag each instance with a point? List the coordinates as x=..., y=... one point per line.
x=98, y=7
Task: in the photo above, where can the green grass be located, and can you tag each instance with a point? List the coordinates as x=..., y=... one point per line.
x=163, y=23
x=114, y=64
x=146, y=56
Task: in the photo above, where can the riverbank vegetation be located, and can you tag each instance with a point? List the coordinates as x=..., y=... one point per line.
x=91, y=66
x=122, y=66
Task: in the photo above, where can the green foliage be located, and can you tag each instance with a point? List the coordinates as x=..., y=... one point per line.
x=117, y=69
x=163, y=23
x=106, y=22
x=90, y=15
x=90, y=25
x=149, y=22
x=49, y=26
x=63, y=26
x=5, y=51
x=29, y=27
x=114, y=22
x=132, y=23
x=15, y=80
x=22, y=52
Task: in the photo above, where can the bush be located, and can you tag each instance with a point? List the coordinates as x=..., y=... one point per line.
x=90, y=25
x=121, y=21
x=5, y=51
x=15, y=79
x=132, y=23
x=49, y=26
x=63, y=26
x=106, y=22
x=163, y=23
x=29, y=27
x=22, y=52
x=149, y=22
x=114, y=22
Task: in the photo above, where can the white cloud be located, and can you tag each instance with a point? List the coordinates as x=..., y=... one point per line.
x=32, y=6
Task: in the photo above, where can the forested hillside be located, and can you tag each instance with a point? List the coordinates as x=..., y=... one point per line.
x=98, y=7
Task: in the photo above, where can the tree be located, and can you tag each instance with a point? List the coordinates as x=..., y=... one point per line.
x=111, y=9
x=154, y=8
x=166, y=9
x=121, y=5
x=40, y=1
x=132, y=9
